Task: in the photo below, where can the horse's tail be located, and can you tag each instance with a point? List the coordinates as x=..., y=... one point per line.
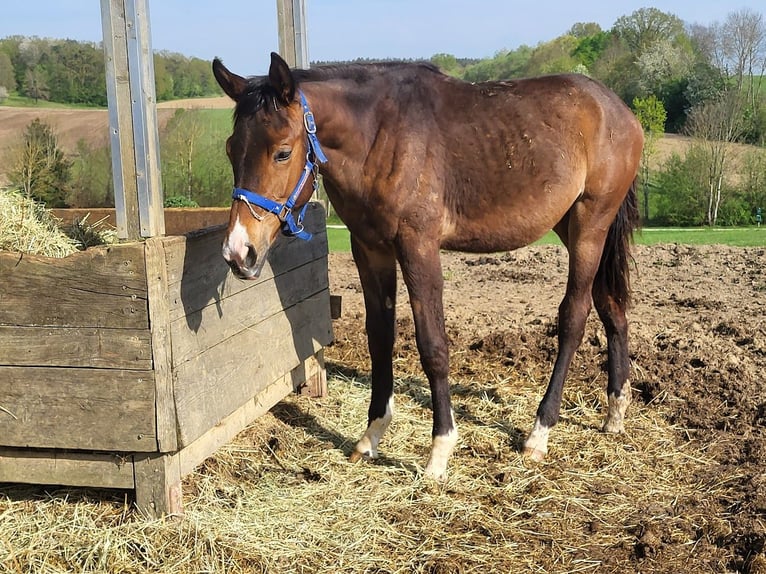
x=614, y=269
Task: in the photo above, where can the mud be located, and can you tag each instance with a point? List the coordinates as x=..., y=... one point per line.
x=698, y=350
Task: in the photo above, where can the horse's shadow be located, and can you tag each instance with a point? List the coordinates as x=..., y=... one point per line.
x=414, y=388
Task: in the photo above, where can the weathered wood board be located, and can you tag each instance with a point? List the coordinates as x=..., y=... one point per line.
x=147, y=355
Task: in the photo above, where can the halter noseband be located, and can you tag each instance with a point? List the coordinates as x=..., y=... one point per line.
x=284, y=211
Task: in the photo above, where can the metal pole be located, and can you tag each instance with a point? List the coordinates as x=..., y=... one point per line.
x=132, y=118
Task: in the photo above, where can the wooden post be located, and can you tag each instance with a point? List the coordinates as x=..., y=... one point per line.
x=158, y=484
x=293, y=43
x=132, y=118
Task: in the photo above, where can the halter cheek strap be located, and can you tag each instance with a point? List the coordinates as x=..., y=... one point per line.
x=291, y=225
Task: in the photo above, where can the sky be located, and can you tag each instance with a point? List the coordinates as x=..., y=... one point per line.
x=244, y=32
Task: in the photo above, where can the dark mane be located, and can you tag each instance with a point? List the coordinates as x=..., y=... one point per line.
x=260, y=93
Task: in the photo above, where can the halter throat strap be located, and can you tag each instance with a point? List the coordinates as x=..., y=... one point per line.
x=291, y=225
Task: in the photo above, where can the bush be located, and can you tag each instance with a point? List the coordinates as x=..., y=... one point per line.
x=180, y=201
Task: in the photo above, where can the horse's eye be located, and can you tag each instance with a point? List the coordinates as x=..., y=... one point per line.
x=282, y=155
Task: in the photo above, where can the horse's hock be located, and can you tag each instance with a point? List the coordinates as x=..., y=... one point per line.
x=126, y=366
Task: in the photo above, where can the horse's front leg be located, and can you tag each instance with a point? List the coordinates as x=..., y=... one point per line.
x=422, y=271
x=377, y=273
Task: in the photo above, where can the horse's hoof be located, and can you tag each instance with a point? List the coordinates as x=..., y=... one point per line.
x=613, y=426
x=434, y=474
x=356, y=456
x=533, y=454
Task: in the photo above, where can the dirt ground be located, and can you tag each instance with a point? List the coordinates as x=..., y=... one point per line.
x=698, y=349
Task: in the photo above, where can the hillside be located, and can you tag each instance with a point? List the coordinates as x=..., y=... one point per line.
x=72, y=125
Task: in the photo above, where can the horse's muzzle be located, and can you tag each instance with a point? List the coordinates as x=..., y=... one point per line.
x=244, y=268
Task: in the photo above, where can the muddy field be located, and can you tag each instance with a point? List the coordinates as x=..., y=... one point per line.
x=698, y=349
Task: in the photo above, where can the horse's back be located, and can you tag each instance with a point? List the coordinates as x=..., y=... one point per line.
x=518, y=154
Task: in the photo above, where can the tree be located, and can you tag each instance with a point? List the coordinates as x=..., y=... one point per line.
x=743, y=53
x=646, y=26
x=584, y=29
x=7, y=78
x=552, y=57
x=753, y=179
x=447, y=63
x=35, y=84
x=39, y=167
x=715, y=124
x=590, y=48
x=184, y=132
x=679, y=199
x=651, y=113
x=92, y=183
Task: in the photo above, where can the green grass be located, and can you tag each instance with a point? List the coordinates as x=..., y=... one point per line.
x=16, y=101
x=734, y=236
x=339, y=241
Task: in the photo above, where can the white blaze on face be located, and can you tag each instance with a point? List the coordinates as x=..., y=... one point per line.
x=368, y=444
x=441, y=450
x=235, y=246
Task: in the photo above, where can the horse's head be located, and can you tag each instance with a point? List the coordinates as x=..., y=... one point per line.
x=273, y=150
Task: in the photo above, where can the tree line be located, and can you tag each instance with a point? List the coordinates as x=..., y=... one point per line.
x=72, y=72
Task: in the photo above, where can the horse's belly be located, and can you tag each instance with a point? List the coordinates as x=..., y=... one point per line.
x=497, y=231
x=489, y=238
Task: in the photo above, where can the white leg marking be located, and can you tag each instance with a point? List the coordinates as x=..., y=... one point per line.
x=441, y=449
x=368, y=444
x=618, y=406
x=536, y=445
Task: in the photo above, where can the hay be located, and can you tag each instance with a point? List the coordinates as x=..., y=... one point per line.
x=283, y=497
x=27, y=227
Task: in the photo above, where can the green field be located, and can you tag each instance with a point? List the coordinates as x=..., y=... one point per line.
x=736, y=236
x=16, y=101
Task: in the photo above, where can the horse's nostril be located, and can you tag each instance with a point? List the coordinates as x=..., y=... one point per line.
x=251, y=258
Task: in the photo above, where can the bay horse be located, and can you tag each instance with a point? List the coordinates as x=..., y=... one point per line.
x=414, y=161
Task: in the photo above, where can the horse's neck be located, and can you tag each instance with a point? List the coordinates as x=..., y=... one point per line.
x=339, y=123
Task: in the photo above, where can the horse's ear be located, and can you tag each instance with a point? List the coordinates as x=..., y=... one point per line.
x=281, y=79
x=233, y=85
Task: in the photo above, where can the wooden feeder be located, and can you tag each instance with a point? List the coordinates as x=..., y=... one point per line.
x=126, y=366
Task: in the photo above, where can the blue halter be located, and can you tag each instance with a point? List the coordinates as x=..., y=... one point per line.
x=284, y=211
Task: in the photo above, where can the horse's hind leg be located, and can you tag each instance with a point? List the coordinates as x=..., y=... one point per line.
x=612, y=314
x=584, y=255
x=377, y=273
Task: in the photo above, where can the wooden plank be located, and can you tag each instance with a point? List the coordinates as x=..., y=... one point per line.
x=245, y=309
x=88, y=409
x=158, y=485
x=65, y=467
x=100, y=287
x=157, y=293
x=70, y=347
x=215, y=383
x=199, y=276
x=220, y=434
